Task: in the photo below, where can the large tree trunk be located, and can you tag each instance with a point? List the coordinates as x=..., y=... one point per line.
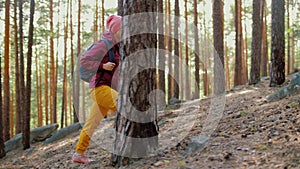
x=197, y=70
x=6, y=83
x=277, y=57
x=136, y=127
x=218, y=30
x=256, y=42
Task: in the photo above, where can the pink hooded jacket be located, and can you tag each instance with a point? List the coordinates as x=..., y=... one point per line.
x=97, y=56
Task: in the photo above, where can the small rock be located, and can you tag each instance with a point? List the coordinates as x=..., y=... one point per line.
x=227, y=156
x=244, y=135
x=196, y=143
x=242, y=149
x=159, y=163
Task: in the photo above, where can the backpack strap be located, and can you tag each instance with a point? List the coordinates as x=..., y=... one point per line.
x=110, y=52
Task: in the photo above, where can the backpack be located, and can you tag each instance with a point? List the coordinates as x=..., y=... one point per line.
x=86, y=74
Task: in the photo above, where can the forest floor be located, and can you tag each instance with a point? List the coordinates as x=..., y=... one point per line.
x=252, y=133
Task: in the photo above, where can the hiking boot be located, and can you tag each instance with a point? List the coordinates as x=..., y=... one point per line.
x=81, y=158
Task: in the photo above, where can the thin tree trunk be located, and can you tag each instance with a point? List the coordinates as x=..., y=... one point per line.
x=6, y=106
x=2, y=146
x=264, y=52
x=17, y=73
x=238, y=76
x=277, y=53
x=256, y=42
x=38, y=94
x=289, y=59
x=26, y=128
x=176, y=81
x=11, y=115
x=77, y=83
x=246, y=55
x=187, y=75
x=103, y=14
x=170, y=60
x=64, y=93
x=161, y=47
x=72, y=63
x=22, y=74
x=52, y=64
x=227, y=68
x=218, y=30
x=96, y=22
x=205, y=57
x=46, y=86
x=181, y=67
x=293, y=48
x=197, y=60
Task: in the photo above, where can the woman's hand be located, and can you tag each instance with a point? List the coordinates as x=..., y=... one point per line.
x=109, y=66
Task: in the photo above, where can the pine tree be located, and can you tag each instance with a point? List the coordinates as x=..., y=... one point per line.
x=278, y=49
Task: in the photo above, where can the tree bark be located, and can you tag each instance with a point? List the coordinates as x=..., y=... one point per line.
x=187, y=75
x=289, y=60
x=6, y=105
x=2, y=146
x=120, y=7
x=205, y=57
x=137, y=135
x=103, y=14
x=26, y=128
x=170, y=49
x=17, y=72
x=47, y=86
x=64, y=92
x=161, y=48
x=197, y=70
x=77, y=80
x=218, y=30
x=238, y=76
x=277, y=48
x=176, y=81
x=256, y=42
x=264, y=50
x=52, y=64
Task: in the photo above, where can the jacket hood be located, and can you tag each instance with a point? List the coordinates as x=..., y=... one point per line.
x=110, y=37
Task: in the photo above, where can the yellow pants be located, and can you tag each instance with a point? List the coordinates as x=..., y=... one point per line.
x=104, y=101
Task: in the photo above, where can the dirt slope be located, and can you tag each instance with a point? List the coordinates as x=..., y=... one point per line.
x=252, y=133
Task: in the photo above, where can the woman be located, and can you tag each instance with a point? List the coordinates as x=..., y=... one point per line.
x=104, y=97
